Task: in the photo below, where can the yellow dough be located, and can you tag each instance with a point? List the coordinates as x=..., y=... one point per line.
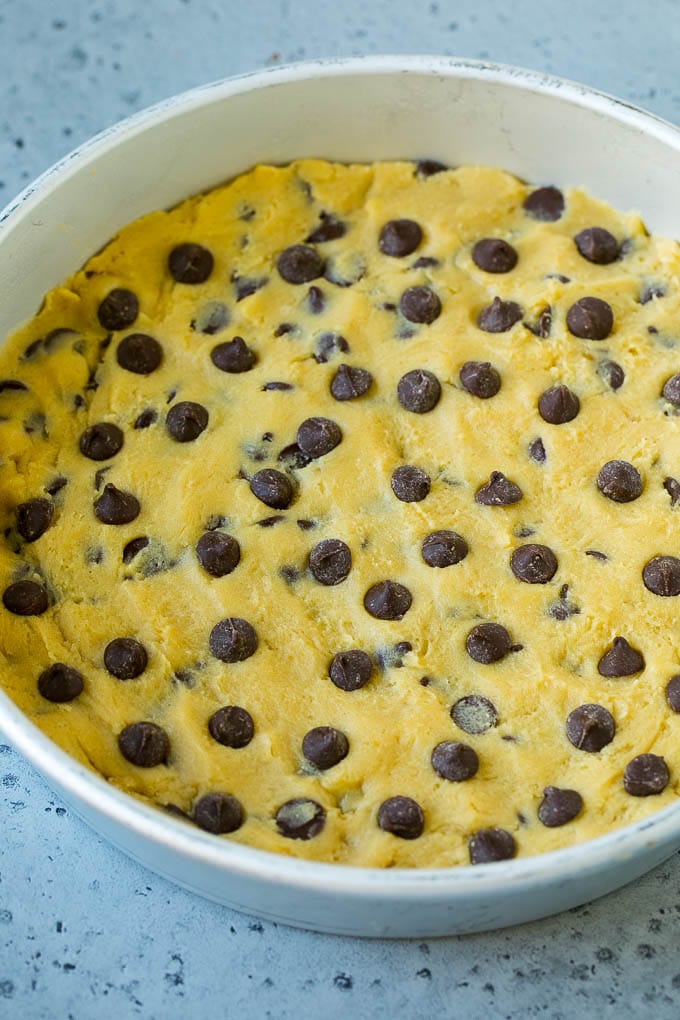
x=166, y=600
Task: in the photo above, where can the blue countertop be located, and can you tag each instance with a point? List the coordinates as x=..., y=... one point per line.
x=84, y=932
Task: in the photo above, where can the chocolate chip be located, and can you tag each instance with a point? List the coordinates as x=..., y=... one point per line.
x=558, y=405
x=399, y=238
x=596, y=555
x=306, y=525
x=443, y=548
x=537, y=451
x=146, y=418
x=144, y=744
x=673, y=693
x=217, y=553
x=420, y=304
x=545, y=204
x=231, y=726
x=424, y=262
x=672, y=487
x=619, y=481
x=233, y=640
x=56, y=485
x=646, y=776
x=277, y=386
x=330, y=561
x=133, y=547
x=330, y=229
x=559, y=806
x=387, y=600
x=350, y=382
x=590, y=318
x=34, y=518
x=498, y=491
x=284, y=328
x=488, y=642
x=480, y=379
x=418, y=391
x=597, y=245
x=590, y=728
x=474, y=714
x=211, y=318
x=60, y=683
x=234, y=356
x=25, y=598
x=620, y=660
x=328, y=345
x=272, y=488
x=186, y=420
x=543, y=325
x=410, y=484
x=429, y=167
x=293, y=457
x=101, y=441
x=488, y=845
x=300, y=264
x=218, y=813
x=350, y=670
x=245, y=286
x=139, y=353
x=454, y=761
x=316, y=300
x=115, y=506
x=118, y=310
x=499, y=316
x=190, y=263
x=671, y=390
x=125, y=658
x=612, y=374
x=402, y=817
x=318, y=436
x=650, y=292
x=324, y=747
x=12, y=386
x=534, y=564
x=269, y=522
x=494, y=255
x=300, y=818
x=661, y=576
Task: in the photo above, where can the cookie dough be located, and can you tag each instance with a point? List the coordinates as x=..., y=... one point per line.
x=341, y=514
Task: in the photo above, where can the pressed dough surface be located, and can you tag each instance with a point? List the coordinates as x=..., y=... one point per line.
x=394, y=722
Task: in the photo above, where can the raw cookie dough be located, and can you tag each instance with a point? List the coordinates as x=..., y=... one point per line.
x=459, y=519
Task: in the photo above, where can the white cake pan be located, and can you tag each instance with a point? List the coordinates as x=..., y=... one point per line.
x=543, y=129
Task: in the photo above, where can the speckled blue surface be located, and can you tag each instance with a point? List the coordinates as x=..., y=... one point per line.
x=86, y=933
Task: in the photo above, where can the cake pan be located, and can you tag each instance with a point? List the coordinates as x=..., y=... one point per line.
x=543, y=129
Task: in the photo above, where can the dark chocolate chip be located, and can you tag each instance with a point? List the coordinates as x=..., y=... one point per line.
x=328, y=345
x=300, y=818
x=424, y=262
x=350, y=670
x=33, y=348
x=671, y=390
x=277, y=386
x=218, y=813
x=612, y=374
x=494, y=255
x=399, y=238
x=60, y=683
x=211, y=318
x=559, y=806
x=146, y=418
x=590, y=318
x=101, y=441
x=234, y=356
x=306, y=525
x=410, y=484
x=289, y=574
x=56, y=485
x=488, y=642
x=673, y=693
x=300, y=264
x=543, y=325
x=293, y=457
x=329, y=229
x=118, y=310
x=144, y=744
x=350, y=382
x=597, y=245
x=233, y=640
x=646, y=776
x=245, y=286
x=318, y=436
x=499, y=316
x=650, y=292
x=418, y=391
x=443, y=548
x=186, y=420
x=12, y=386
x=34, y=518
x=133, y=547
x=387, y=600
x=324, y=747
x=590, y=728
x=402, y=817
x=330, y=561
x=420, y=304
x=429, y=167
x=316, y=300
x=537, y=451
x=620, y=660
x=115, y=506
x=217, y=553
x=661, y=576
x=672, y=487
x=139, y=353
x=545, y=204
x=535, y=564
x=619, y=481
x=125, y=658
x=597, y=555
x=272, y=488
x=454, y=761
x=480, y=379
x=190, y=263
x=498, y=491
x=269, y=522
x=558, y=405
x=474, y=714
x=231, y=726
x=488, y=845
